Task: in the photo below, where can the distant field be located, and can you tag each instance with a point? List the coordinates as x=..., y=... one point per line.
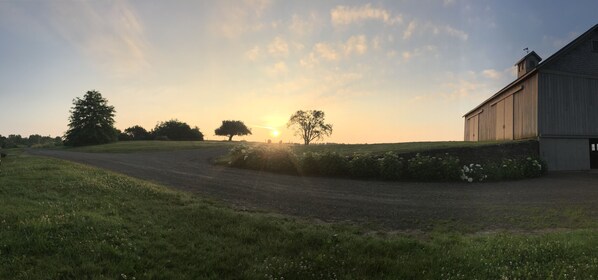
x=150, y=146
x=406, y=147
x=64, y=220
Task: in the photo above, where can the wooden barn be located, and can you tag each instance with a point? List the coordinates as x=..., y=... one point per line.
x=554, y=101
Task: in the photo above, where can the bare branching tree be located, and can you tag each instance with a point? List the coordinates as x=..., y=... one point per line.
x=309, y=125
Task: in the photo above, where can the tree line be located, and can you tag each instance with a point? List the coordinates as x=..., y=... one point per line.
x=34, y=140
x=92, y=122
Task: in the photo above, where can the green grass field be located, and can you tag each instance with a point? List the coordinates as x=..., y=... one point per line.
x=149, y=146
x=406, y=147
x=64, y=220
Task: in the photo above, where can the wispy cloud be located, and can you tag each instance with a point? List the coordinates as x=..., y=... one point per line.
x=278, y=68
x=303, y=25
x=113, y=36
x=409, y=30
x=356, y=44
x=236, y=18
x=326, y=51
x=492, y=74
x=253, y=53
x=278, y=47
x=344, y=15
x=434, y=29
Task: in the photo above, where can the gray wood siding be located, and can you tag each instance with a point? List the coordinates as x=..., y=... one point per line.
x=525, y=112
x=569, y=105
x=579, y=60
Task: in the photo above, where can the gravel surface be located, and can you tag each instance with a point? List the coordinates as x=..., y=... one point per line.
x=555, y=200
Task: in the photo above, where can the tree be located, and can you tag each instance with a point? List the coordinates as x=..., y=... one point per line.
x=232, y=128
x=176, y=130
x=137, y=133
x=309, y=125
x=91, y=121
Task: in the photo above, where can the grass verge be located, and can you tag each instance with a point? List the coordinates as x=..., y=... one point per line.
x=63, y=220
x=148, y=146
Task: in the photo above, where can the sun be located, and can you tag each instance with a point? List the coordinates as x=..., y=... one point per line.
x=274, y=133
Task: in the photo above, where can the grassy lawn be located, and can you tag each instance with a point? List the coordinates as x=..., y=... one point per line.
x=65, y=220
x=150, y=146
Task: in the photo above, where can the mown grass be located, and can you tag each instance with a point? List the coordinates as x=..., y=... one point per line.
x=149, y=146
x=63, y=220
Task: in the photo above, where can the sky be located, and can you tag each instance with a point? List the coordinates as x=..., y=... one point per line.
x=382, y=71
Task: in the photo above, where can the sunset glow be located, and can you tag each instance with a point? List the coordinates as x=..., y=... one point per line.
x=275, y=133
x=382, y=71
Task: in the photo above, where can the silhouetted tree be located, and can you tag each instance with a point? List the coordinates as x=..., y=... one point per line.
x=309, y=125
x=232, y=128
x=176, y=130
x=91, y=121
x=137, y=133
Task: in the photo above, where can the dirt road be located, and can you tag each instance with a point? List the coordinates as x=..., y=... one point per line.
x=558, y=198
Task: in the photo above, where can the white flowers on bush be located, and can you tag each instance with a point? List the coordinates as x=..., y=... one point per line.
x=473, y=172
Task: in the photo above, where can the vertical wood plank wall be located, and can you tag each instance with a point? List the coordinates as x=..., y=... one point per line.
x=525, y=113
x=569, y=105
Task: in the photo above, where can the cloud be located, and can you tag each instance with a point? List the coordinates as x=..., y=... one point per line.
x=326, y=51
x=434, y=29
x=112, y=36
x=236, y=18
x=492, y=74
x=453, y=32
x=309, y=61
x=278, y=68
x=278, y=47
x=253, y=53
x=356, y=44
x=303, y=26
x=425, y=50
x=409, y=30
x=343, y=15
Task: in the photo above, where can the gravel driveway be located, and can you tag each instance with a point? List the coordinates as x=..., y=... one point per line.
x=555, y=200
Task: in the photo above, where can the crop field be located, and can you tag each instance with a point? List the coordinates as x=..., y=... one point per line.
x=65, y=220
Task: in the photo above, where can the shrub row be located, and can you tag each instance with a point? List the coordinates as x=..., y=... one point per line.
x=390, y=166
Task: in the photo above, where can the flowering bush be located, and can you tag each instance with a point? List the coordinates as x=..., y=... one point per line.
x=392, y=167
x=365, y=166
x=260, y=157
x=323, y=164
x=389, y=166
x=473, y=173
x=517, y=168
x=431, y=168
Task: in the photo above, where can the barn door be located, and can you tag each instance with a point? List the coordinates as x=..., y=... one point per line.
x=500, y=120
x=474, y=128
x=509, y=118
x=504, y=119
x=594, y=153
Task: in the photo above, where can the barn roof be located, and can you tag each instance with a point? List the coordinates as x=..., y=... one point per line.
x=543, y=64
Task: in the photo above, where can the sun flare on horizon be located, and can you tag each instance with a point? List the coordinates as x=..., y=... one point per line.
x=275, y=133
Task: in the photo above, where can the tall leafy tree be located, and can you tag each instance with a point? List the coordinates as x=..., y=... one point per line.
x=310, y=125
x=176, y=130
x=232, y=128
x=91, y=121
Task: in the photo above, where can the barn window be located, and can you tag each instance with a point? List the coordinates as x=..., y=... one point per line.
x=595, y=46
x=593, y=147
